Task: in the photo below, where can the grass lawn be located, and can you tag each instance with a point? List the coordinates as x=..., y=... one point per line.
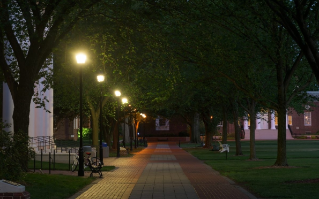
x=54, y=186
x=261, y=179
x=60, y=186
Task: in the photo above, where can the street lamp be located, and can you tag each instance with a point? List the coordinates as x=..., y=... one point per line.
x=144, y=116
x=100, y=78
x=80, y=59
x=134, y=129
x=131, y=133
x=124, y=100
x=118, y=94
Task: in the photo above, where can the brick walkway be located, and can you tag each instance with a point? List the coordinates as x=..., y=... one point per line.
x=162, y=170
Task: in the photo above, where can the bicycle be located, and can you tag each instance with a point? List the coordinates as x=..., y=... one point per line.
x=94, y=161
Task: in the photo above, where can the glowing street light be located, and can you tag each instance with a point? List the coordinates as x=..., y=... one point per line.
x=100, y=79
x=118, y=94
x=124, y=101
x=144, y=116
x=80, y=59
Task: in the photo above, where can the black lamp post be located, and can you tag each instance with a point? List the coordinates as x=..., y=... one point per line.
x=80, y=58
x=124, y=101
x=134, y=129
x=124, y=128
x=118, y=94
x=144, y=116
x=131, y=133
x=100, y=78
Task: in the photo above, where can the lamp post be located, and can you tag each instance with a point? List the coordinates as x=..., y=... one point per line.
x=100, y=78
x=124, y=100
x=144, y=116
x=80, y=59
x=134, y=129
x=131, y=133
x=118, y=94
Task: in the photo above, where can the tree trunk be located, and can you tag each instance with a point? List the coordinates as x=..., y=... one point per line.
x=195, y=128
x=95, y=113
x=106, y=136
x=281, y=150
x=209, y=129
x=22, y=100
x=252, y=141
x=95, y=129
x=115, y=135
x=237, y=129
x=225, y=122
x=210, y=126
x=281, y=111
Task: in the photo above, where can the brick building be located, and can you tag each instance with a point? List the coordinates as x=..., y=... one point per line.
x=66, y=129
x=306, y=123
x=162, y=127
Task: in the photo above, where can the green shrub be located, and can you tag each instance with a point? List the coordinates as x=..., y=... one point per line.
x=86, y=133
x=301, y=137
x=14, y=155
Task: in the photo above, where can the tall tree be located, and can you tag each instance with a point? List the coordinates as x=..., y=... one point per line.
x=300, y=19
x=29, y=31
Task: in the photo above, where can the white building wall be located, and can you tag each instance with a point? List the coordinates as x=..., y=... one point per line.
x=272, y=122
x=40, y=121
x=7, y=110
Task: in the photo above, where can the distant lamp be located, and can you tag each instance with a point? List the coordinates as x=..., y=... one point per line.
x=100, y=78
x=124, y=100
x=117, y=93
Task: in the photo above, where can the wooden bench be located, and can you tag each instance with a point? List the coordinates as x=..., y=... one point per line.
x=95, y=167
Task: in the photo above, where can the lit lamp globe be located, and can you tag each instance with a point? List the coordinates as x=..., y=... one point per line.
x=80, y=58
x=124, y=100
x=100, y=78
x=117, y=93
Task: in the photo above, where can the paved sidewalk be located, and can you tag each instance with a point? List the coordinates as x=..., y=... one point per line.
x=162, y=171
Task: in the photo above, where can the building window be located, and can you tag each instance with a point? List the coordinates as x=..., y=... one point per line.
x=290, y=120
x=161, y=124
x=307, y=118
